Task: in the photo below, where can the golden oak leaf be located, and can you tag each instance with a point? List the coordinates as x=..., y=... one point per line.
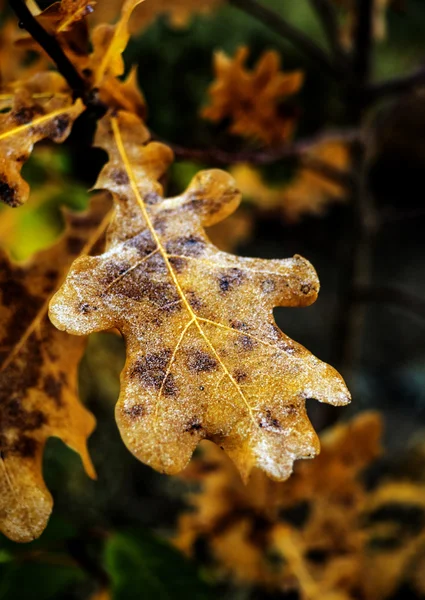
x=395, y=517
x=178, y=12
x=61, y=16
x=105, y=64
x=317, y=512
x=14, y=63
x=205, y=358
x=38, y=382
x=253, y=100
x=309, y=193
x=42, y=108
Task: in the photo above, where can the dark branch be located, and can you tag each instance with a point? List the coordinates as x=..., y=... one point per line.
x=363, y=41
x=50, y=45
x=398, y=85
x=327, y=15
x=297, y=151
x=276, y=23
x=391, y=295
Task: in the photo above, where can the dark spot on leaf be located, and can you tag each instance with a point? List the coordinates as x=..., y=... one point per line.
x=53, y=388
x=178, y=264
x=194, y=301
x=170, y=387
x=85, y=308
x=9, y=194
x=151, y=369
x=26, y=114
x=246, y=342
x=119, y=176
x=186, y=246
x=240, y=376
x=152, y=198
x=193, y=425
x=239, y=325
x=200, y=361
x=113, y=270
x=230, y=279
x=60, y=125
x=267, y=421
x=24, y=446
x=268, y=286
x=143, y=242
x=135, y=411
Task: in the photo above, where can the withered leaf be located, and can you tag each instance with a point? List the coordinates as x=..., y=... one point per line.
x=309, y=192
x=42, y=108
x=205, y=358
x=252, y=100
x=38, y=376
x=316, y=513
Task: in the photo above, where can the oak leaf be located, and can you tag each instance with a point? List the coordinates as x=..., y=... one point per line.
x=42, y=107
x=105, y=64
x=317, y=512
x=38, y=377
x=310, y=192
x=62, y=16
x=253, y=100
x=205, y=358
x=178, y=12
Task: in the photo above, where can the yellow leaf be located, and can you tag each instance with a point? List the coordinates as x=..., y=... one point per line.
x=252, y=100
x=205, y=358
x=42, y=108
x=309, y=192
x=268, y=533
x=38, y=382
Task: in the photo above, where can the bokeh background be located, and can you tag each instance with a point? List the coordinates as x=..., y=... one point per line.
x=119, y=526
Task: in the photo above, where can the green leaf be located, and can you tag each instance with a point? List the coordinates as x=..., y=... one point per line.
x=142, y=566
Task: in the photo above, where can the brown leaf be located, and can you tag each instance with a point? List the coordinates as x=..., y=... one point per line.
x=308, y=193
x=61, y=16
x=178, y=12
x=252, y=100
x=38, y=383
x=305, y=533
x=205, y=358
x=41, y=108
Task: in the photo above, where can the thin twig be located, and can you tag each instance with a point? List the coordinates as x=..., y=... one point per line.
x=50, y=45
x=397, y=85
x=297, y=151
x=276, y=23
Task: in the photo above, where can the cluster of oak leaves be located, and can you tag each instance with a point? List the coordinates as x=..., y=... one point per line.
x=204, y=356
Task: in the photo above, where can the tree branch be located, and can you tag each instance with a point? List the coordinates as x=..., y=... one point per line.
x=297, y=151
x=50, y=45
x=397, y=85
x=326, y=13
x=363, y=42
x=391, y=295
x=277, y=24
